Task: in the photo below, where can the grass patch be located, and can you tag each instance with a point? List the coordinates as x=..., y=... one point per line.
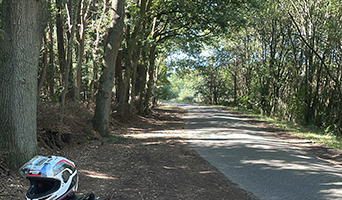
x=312, y=133
x=114, y=139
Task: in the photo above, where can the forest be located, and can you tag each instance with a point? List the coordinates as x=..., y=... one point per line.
x=283, y=60
x=278, y=58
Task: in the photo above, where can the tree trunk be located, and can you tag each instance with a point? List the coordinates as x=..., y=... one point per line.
x=125, y=108
x=155, y=85
x=142, y=83
x=80, y=53
x=72, y=24
x=60, y=39
x=82, y=24
x=118, y=77
x=94, y=83
x=134, y=72
x=150, y=78
x=103, y=99
x=51, y=68
x=123, y=105
x=44, y=65
x=20, y=41
x=211, y=86
x=235, y=81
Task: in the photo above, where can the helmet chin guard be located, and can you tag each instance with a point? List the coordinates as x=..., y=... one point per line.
x=51, y=178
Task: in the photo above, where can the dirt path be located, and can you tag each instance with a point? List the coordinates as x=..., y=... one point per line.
x=151, y=169
x=158, y=168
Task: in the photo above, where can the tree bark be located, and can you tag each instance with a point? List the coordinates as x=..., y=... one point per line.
x=60, y=39
x=82, y=24
x=118, y=78
x=72, y=24
x=22, y=31
x=154, y=88
x=51, y=68
x=142, y=83
x=235, y=81
x=123, y=105
x=80, y=50
x=94, y=84
x=44, y=65
x=134, y=77
x=125, y=108
x=150, y=81
x=103, y=99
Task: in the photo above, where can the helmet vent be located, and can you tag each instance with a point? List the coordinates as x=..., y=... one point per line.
x=66, y=176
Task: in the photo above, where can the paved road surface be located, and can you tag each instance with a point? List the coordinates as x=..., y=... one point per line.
x=258, y=162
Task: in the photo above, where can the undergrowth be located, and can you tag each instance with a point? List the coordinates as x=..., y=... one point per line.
x=76, y=126
x=312, y=133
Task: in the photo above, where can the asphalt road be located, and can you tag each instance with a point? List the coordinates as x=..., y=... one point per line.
x=259, y=162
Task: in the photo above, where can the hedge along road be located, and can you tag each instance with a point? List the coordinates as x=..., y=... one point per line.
x=259, y=162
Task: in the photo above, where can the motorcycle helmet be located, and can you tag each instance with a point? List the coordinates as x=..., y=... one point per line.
x=51, y=178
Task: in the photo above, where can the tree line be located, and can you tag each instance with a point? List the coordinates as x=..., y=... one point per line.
x=106, y=52
x=283, y=61
x=280, y=58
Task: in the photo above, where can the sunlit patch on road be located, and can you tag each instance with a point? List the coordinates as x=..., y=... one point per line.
x=259, y=162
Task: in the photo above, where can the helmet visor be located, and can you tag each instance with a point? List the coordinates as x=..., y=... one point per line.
x=40, y=188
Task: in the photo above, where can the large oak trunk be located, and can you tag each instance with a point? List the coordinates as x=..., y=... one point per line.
x=19, y=53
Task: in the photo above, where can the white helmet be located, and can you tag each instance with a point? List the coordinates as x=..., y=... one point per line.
x=51, y=178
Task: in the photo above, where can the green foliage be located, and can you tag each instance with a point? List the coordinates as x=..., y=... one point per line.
x=115, y=139
x=263, y=65
x=180, y=87
x=245, y=102
x=312, y=133
x=246, y=53
x=167, y=92
x=296, y=108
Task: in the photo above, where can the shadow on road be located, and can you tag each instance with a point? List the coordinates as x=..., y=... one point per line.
x=259, y=162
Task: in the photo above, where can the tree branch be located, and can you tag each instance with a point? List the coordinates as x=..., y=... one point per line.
x=317, y=54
